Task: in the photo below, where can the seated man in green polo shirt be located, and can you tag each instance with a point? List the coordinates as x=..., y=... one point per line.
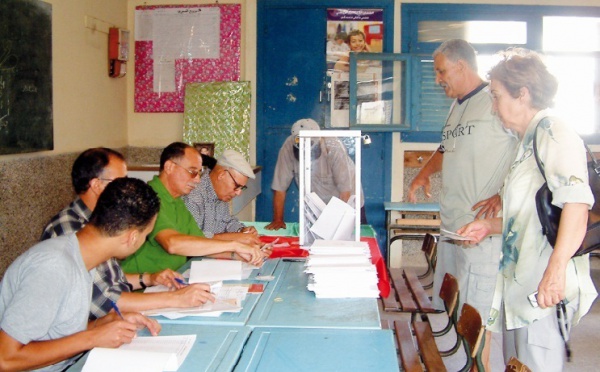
x=176, y=236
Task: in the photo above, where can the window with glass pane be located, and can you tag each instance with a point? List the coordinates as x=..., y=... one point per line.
x=567, y=36
x=377, y=81
x=475, y=32
x=571, y=45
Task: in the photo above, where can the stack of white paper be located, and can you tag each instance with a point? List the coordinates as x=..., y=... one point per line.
x=341, y=269
x=144, y=354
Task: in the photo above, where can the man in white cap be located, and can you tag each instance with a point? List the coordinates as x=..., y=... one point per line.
x=176, y=235
x=208, y=202
x=332, y=170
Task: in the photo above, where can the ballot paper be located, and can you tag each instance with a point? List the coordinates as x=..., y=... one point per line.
x=209, y=270
x=228, y=299
x=341, y=270
x=337, y=247
x=452, y=235
x=336, y=222
x=143, y=354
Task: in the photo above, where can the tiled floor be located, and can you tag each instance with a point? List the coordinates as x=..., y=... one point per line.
x=585, y=339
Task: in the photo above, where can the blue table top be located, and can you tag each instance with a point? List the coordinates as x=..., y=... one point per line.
x=411, y=207
x=236, y=319
x=287, y=303
x=217, y=348
x=294, y=349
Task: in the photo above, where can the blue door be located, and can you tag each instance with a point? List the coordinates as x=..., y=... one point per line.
x=292, y=84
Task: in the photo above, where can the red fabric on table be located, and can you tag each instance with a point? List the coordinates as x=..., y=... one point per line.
x=377, y=260
x=294, y=250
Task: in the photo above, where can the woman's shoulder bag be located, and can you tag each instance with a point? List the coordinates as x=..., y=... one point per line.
x=549, y=214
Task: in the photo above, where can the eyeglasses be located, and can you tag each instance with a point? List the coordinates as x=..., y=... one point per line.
x=193, y=173
x=109, y=180
x=237, y=185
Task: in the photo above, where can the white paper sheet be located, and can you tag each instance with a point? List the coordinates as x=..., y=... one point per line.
x=209, y=270
x=452, y=235
x=143, y=354
x=336, y=221
x=228, y=298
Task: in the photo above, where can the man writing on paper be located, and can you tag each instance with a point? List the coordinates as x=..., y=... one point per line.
x=92, y=171
x=474, y=158
x=332, y=171
x=45, y=293
x=209, y=201
x=176, y=236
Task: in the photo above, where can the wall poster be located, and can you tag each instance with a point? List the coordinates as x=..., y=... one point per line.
x=25, y=76
x=358, y=31
x=180, y=44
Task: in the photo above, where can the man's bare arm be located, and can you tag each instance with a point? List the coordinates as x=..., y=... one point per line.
x=433, y=165
x=278, y=206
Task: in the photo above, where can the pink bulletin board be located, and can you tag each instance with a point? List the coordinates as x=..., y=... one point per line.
x=150, y=81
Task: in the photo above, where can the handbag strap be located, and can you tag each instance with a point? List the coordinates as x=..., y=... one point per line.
x=539, y=162
x=594, y=160
x=535, y=151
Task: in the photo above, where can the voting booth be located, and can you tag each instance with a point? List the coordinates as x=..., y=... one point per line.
x=332, y=219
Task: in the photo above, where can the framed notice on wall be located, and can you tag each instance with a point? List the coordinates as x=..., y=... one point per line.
x=180, y=44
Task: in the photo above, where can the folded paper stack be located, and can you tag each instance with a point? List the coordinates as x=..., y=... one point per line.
x=341, y=269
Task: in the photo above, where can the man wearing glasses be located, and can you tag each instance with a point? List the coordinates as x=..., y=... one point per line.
x=209, y=201
x=176, y=235
x=92, y=171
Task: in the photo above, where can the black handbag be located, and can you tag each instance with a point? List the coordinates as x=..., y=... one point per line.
x=549, y=214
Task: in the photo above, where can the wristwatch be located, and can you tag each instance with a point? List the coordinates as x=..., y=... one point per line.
x=142, y=284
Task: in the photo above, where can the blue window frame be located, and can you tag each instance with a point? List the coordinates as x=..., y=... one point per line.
x=428, y=102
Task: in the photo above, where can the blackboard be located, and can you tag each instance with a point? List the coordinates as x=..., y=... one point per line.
x=25, y=76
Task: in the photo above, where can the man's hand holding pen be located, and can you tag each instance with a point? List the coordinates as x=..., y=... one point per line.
x=192, y=295
x=116, y=328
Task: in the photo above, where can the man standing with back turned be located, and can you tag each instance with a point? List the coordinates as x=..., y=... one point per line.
x=473, y=157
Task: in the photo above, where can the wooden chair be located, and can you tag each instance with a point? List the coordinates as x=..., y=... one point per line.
x=471, y=329
x=429, y=249
x=449, y=294
x=407, y=293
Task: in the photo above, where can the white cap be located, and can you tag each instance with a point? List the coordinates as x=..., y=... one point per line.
x=304, y=124
x=234, y=160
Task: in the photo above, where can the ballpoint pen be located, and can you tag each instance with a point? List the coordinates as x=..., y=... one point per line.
x=180, y=281
x=114, y=305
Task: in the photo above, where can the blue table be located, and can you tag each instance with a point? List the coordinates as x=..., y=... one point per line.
x=294, y=349
x=217, y=348
x=287, y=303
x=236, y=319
